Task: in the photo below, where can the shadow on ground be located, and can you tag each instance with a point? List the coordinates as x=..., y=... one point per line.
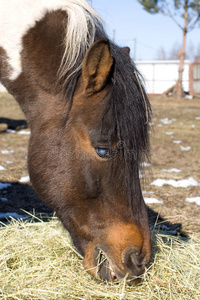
x=18, y=197
x=11, y=124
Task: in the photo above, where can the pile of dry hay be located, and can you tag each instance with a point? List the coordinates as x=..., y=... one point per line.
x=38, y=261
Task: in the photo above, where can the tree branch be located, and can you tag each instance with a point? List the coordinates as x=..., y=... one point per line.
x=191, y=26
x=171, y=15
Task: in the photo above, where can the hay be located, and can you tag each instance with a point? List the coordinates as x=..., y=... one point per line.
x=38, y=261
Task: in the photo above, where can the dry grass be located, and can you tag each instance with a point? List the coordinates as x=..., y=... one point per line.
x=37, y=261
x=12, y=141
x=166, y=155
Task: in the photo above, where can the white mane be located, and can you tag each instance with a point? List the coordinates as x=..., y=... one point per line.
x=80, y=33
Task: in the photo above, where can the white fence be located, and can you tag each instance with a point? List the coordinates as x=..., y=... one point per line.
x=160, y=75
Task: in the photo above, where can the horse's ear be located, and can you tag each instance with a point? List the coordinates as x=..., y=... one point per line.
x=126, y=50
x=97, y=65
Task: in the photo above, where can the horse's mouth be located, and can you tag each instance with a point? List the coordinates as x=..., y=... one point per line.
x=108, y=271
x=104, y=268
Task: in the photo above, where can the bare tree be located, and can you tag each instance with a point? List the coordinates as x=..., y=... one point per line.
x=189, y=10
x=175, y=51
x=161, y=55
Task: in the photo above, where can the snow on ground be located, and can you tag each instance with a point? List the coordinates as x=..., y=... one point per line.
x=173, y=170
x=148, y=200
x=9, y=162
x=193, y=199
x=167, y=121
x=11, y=215
x=4, y=185
x=185, y=148
x=147, y=192
x=141, y=175
x=166, y=228
x=197, y=118
x=10, y=131
x=176, y=183
x=4, y=199
x=2, y=168
x=24, y=179
x=145, y=164
x=24, y=132
x=7, y=151
x=177, y=142
x=169, y=133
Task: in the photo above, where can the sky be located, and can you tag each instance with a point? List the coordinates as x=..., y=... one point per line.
x=142, y=31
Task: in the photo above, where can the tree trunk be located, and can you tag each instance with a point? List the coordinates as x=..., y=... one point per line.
x=182, y=54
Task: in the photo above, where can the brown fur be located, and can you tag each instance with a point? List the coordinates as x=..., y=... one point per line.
x=86, y=191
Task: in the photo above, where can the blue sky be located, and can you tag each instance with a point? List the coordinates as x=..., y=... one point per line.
x=130, y=21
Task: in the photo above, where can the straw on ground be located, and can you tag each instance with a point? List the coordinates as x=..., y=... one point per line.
x=38, y=261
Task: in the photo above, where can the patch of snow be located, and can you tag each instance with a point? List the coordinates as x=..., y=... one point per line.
x=4, y=199
x=189, y=97
x=177, y=142
x=7, y=151
x=193, y=126
x=10, y=131
x=159, y=125
x=152, y=200
x=147, y=192
x=193, y=199
x=145, y=164
x=24, y=132
x=168, y=133
x=4, y=185
x=2, y=168
x=11, y=215
x=166, y=121
x=171, y=170
x=176, y=183
x=141, y=175
x=24, y=179
x=197, y=118
x=187, y=148
x=9, y=162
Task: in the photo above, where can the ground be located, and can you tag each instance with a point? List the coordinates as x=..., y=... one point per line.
x=175, y=144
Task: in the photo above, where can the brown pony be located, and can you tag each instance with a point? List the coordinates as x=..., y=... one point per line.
x=88, y=114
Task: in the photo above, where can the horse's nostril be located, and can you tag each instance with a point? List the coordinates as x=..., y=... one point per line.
x=133, y=260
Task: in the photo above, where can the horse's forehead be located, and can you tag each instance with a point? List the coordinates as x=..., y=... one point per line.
x=16, y=18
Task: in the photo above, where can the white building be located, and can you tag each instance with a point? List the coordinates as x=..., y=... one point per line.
x=160, y=75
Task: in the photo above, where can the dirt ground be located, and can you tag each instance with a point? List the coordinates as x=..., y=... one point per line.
x=175, y=143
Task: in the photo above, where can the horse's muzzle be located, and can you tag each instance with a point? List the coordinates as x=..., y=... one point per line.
x=131, y=265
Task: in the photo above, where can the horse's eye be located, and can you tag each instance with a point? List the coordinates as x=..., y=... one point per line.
x=103, y=152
